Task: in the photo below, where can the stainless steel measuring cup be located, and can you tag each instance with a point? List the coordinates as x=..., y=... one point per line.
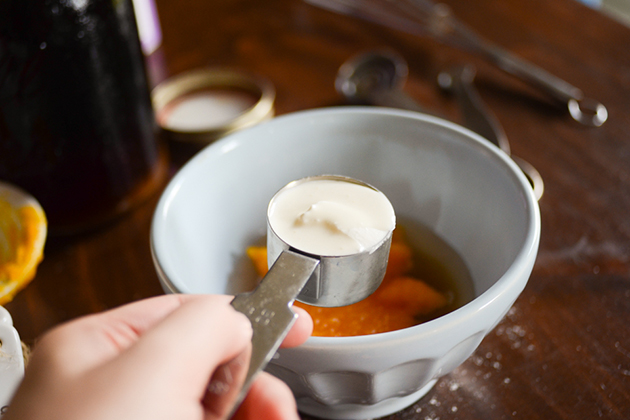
x=338, y=280
x=321, y=280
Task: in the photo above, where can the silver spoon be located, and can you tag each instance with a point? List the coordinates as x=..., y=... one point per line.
x=377, y=78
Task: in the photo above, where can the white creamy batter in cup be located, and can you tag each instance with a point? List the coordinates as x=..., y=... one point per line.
x=331, y=216
x=344, y=223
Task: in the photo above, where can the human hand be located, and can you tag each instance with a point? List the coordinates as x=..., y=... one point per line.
x=171, y=357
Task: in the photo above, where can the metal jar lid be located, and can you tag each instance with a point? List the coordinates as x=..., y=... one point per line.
x=201, y=105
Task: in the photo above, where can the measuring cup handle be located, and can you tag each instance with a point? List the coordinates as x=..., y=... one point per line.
x=514, y=65
x=583, y=110
x=268, y=308
x=476, y=115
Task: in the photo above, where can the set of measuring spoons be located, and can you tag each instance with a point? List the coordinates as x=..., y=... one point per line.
x=377, y=78
x=437, y=21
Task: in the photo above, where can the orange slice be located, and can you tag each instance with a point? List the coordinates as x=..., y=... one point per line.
x=23, y=229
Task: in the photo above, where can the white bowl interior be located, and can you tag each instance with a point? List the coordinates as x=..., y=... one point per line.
x=434, y=172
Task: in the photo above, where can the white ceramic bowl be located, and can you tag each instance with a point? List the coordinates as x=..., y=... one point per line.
x=434, y=172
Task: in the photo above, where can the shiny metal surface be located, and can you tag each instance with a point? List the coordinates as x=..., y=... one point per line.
x=377, y=78
x=315, y=279
x=338, y=280
x=268, y=308
x=435, y=20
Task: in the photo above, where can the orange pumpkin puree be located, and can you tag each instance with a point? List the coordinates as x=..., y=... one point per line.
x=396, y=304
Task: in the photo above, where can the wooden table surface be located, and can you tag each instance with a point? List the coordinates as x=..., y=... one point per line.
x=563, y=351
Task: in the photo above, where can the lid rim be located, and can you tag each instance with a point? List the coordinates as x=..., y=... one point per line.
x=218, y=77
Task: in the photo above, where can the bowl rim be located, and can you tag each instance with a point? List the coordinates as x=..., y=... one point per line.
x=523, y=261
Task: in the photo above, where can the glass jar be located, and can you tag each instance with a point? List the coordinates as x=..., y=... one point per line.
x=77, y=128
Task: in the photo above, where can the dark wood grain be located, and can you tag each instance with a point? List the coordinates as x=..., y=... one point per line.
x=563, y=351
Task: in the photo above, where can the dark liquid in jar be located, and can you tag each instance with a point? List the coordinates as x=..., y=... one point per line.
x=76, y=123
